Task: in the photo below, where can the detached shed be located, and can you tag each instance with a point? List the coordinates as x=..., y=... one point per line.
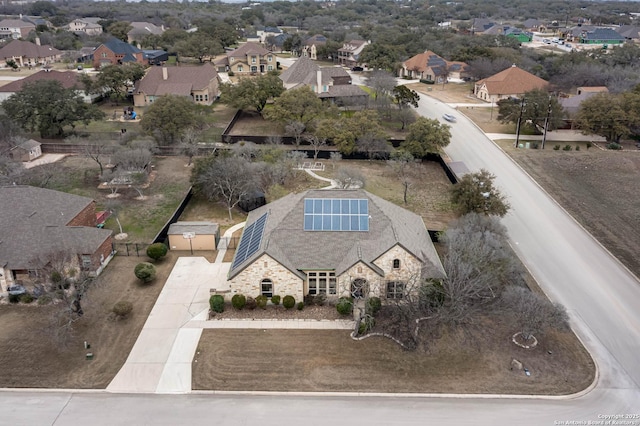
x=193, y=236
x=26, y=151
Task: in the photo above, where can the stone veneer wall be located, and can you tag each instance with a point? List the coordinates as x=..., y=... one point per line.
x=409, y=269
x=248, y=281
x=359, y=270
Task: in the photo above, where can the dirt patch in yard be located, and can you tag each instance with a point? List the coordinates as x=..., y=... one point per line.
x=30, y=359
x=449, y=93
x=599, y=190
x=324, y=361
x=252, y=123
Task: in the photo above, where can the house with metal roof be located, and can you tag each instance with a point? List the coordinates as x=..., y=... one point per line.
x=432, y=67
x=198, y=83
x=334, y=242
x=510, y=83
x=330, y=83
x=116, y=52
x=601, y=36
x=39, y=224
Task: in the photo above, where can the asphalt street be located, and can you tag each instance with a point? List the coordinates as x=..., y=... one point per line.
x=600, y=294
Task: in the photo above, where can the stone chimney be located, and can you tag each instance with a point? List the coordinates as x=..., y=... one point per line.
x=165, y=73
x=319, y=81
x=37, y=41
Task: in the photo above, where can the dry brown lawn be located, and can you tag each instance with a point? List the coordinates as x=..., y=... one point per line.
x=328, y=360
x=487, y=119
x=450, y=93
x=31, y=359
x=428, y=195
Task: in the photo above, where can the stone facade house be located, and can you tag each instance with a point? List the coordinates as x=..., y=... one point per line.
x=116, y=52
x=142, y=29
x=88, y=26
x=510, y=83
x=329, y=83
x=38, y=224
x=27, y=54
x=334, y=242
x=349, y=53
x=311, y=45
x=15, y=28
x=432, y=67
x=199, y=83
x=250, y=58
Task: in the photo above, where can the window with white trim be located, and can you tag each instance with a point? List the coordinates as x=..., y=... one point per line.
x=269, y=58
x=254, y=69
x=321, y=282
x=86, y=261
x=395, y=290
x=253, y=59
x=266, y=287
x=239, y=68
x=396, y=263
x=269, y=67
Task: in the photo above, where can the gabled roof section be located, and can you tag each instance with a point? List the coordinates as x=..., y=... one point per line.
x=512, y=81
x=34, y=225
x=318, y=40
x=143, y=28
x=16, y=23
x=428, y=59
x=28, y=145
x=178, y=79
x=285, y=239
x=18, y=48
x=305, y=71
x=119, y=47
x=68, y=79
x=248, y=48
x=602, y=34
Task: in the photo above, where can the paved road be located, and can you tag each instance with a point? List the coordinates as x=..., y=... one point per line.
x=601, y=295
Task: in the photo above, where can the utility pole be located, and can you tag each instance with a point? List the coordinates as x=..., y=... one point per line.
x=546, y=123
x=522, y=104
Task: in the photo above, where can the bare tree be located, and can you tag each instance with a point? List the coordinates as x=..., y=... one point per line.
x=113, y=206
x=316, y=142
x=189, y=144
x=374, y=145
x=275, y=140
x=349, y=178
x=136, y=159
x=334, y=158
x=226, y=179
x=533, y=313
x=382, y=83
x=296, y=158
x=402, y=164
x=295, y=129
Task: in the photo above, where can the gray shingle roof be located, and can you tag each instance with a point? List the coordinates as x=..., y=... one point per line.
x=286, y=241
x=199, y=227
x=33, y=226
x=304, y=71
x=120, y=47
x=180, y=80
x=18, y=48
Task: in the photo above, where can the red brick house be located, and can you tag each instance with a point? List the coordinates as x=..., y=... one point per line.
x=116, y=52
x=38, y=224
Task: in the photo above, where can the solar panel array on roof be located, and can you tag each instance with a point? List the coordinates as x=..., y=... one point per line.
x=336, y=214
x=250, y=242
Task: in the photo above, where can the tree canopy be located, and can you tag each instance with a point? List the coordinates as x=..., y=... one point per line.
x=608, y=115
x=112, y=80
x=168, y=117
x=252, y=92
x=537, y=104
x=426, y=135
x=301, y=105
x=47, y=108
x=476, y=193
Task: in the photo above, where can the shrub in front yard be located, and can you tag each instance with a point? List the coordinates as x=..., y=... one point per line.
x=567, y=148
x=14, y=298
x=157, y=251
x=300, y=306
x=26, y=298
x=251, y=303
x=122, y=308
x=589, y=145
x=556, y=147
x=45, y=299
x=614, y=146
x=309, y=299
x=145, y=272
x=238, y=301
x=261, y=301
x=344, y=306
x=275, y=299
x=373, y=305
x=320, y=299
x=216, y=303
x=288, y=302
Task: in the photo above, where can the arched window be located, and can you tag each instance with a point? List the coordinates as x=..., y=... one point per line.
x=266, y=287
x=396, y=263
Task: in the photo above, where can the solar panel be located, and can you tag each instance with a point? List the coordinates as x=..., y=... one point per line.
x=250, y=241
x=336, y=214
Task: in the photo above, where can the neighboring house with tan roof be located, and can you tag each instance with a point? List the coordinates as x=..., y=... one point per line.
x=26, y=53
x=88, y=25
x=199, y=83
x=142, y=29
x=510, y=83
x=349, y=53
x=68, y=79
x=331, y=83
x=432, y=67
x=15, y=28
x=571, y=104
x=334, y=242
x=250, y=58
x=38, y=223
